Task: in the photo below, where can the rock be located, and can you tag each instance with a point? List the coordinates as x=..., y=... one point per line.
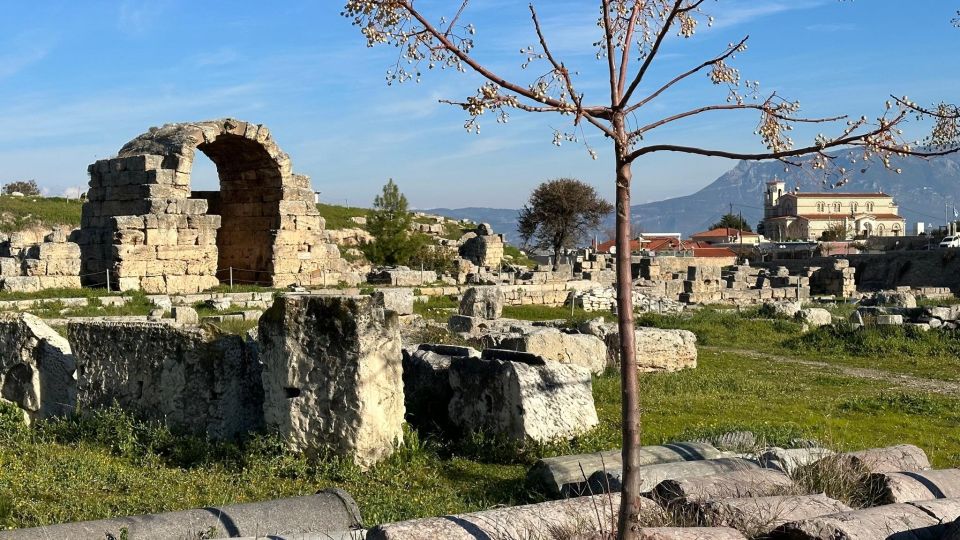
x=449, y=350
x=651, y=475
x=917, y=521
x=815, y=317
x=566, y=476
x=657, y=349
x=942, y=313
x=470, y=326
x=540, y=400
x=294, y=517
x=187, y=377
x=689, y=533
x=594, y=327
x=904, y=457
x=484, y=249
x=736, y=441
x=856, y=319
x=37, y=367
x=743, y=483
x=789, y=460
x=426, y=388
x=399, y=301
x=482, y=302
x=581, y=517
x=758, y=516
x=954, y=532
x=784, y=310
x=220, y=304
x=333, y=375
x=161, y=301
x=898, y=487
x=551, y=344
x=889, y=320
x=185, y=315
x=155, y=314
x=896, y=299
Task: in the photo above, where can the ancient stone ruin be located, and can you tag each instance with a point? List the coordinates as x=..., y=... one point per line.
x=144, y=226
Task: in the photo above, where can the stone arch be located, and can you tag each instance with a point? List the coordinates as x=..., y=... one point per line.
x=144, y=225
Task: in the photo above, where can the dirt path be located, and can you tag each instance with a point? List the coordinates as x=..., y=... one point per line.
x=949, y=388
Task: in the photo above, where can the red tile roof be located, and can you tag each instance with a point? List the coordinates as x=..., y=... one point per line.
x=713, y=252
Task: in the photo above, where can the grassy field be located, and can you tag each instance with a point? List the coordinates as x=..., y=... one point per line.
x=18, y=213
x=110, y=464
x=338, y=217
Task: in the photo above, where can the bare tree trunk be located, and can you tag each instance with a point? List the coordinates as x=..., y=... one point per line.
x=630, y=412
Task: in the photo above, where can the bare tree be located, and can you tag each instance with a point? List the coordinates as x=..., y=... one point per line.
x=631, y=33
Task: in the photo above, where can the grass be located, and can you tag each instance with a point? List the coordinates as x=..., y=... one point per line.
x=53, y=309
x=436, y=308
x=19, y=213
x=549, y=313
x=514, y=255
x=83, y=292
x=338, y=217
x=934, y=354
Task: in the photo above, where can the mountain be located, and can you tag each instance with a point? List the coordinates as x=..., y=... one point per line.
x=923, y=189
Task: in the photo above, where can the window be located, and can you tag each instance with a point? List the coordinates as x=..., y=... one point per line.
x=854, y=206
x=869, y=207
x=836, y=207
x=821, y=207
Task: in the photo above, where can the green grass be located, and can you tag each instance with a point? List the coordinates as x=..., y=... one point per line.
x=548, y=313
x=110, y=464
x=53, y=309
x=57, y=293
x=18, y=213
x=436, y=308
x=338, y=217
x=513, y=255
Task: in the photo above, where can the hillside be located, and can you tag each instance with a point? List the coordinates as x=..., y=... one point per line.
x=19, y=213
x=503, y=220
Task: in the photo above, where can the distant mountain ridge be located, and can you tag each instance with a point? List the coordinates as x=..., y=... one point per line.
x=921, y=191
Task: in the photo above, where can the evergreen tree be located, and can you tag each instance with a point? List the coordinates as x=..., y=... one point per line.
x=732, y=221
x=389, y=223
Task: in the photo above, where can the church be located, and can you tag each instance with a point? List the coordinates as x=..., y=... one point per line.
x=806, y=216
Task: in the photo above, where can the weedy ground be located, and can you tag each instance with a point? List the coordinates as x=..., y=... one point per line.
x=108, y=463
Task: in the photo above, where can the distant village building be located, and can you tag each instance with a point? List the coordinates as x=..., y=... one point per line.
x=726, y=235
x=669, y=244
x=806, y=216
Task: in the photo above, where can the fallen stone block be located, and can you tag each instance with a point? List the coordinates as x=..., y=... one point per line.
x=471, y=326
x=333, y=375
x=580, y=517
x=399, y=301
x=889, y=320
x=37, y=367
x=657, y=349
x=187, y=377
x=789, y=460
x=815, y=316
x=539, y=400
x=758, y=516
x=426, y=387
x=551, y=344
x=689, y=533
x=896, y=299
x=926, y=520
x=185, y=315
x=566, y=476
x=903, y=457
x=898, y=487
x=733, y=441
x=328, y=510
x=482, y=302
x=743, y=483
x=651, y=475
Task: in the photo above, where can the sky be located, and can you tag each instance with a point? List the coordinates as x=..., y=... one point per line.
x=80, y=79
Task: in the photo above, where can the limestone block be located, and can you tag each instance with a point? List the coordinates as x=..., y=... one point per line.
x=551, y=344
x=539, y=400
x=928, y=520
x=815, y=317
x=482, y=302
x=37, y=368
x=9, y=266
x=758, y=516
x=400, y=301
x=185, y=377
x=426, y=387
x=34, y=267
x=898, y=487
x=896, y=299
x=789, y=460
x=185, y=315
x=20, y=284
x=889, y=320
x=332, y=375
x=745, y=483
x=903, y=457
x=652, y=475
x=59, y=282
x=566, y=475
x=657, y=349
x=689, y=533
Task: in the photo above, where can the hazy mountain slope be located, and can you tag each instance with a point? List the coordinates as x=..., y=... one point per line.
x=921, y=191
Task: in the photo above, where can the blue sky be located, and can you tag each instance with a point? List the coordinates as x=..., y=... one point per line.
x=79, y=79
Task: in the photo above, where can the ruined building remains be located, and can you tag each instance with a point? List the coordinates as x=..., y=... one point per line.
x=144, y=226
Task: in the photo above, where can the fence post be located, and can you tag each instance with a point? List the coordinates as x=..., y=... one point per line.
x=108, y=280
x=231, y=278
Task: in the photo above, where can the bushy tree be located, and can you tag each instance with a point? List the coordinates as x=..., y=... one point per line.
x=27, y=187
x=732, y=221
x=835, y=232
x=389, y=223
x=560, y=213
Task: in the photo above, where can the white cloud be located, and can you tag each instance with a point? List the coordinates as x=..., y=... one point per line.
x=744, y=12
x=137, y=17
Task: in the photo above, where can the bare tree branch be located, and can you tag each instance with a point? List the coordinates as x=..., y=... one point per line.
x=667, y=23
x=608, y=38
x=627, y=44
x=728, y=107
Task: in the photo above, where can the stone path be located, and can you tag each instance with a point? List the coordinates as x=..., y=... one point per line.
x=911, y=382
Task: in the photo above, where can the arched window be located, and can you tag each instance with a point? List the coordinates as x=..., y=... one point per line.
x=836, y=207
x=869, y=207
x=854, y=206
x=896, y=229
x=821, y=206
x=880, y=229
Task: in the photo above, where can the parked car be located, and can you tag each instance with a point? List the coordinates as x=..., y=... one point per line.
x=950, y=241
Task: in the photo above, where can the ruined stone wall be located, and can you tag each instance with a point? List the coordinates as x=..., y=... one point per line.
x=143, y=224
x=184, y=376
x=36, y=367
x=54, y=263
